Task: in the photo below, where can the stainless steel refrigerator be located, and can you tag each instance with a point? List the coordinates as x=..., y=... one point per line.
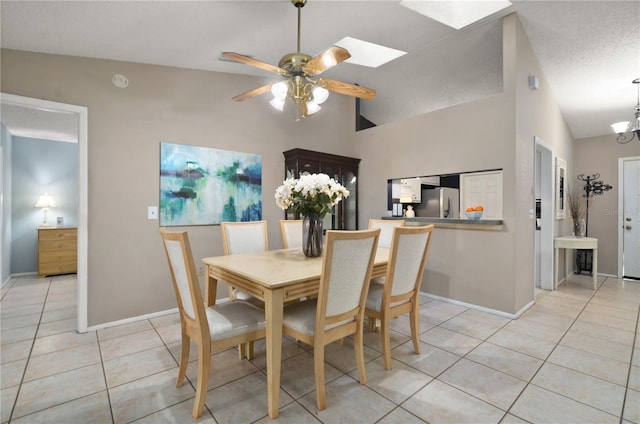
x=442, y=202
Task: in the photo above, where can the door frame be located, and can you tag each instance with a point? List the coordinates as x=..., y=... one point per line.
x=82, y=114
x=547, y=221
x=621, y=162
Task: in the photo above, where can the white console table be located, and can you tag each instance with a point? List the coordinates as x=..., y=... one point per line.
x=571, y=242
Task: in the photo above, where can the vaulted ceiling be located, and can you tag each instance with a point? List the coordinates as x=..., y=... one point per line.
x=589, y=50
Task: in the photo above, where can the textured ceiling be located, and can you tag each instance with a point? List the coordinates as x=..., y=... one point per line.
x=588, y=50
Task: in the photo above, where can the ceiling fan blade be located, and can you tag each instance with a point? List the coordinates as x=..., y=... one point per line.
x=326, y=60
x=252, y=93
x=347, y=89
x=237, y=57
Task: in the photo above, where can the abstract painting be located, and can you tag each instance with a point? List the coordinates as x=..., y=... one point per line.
x=204, y=186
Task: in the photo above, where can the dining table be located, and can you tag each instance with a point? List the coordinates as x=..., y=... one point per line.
x=277, y=277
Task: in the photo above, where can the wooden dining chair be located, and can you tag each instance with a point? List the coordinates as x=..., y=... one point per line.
x=400, y=291
x=239, y=238
x=244, y=237
x=212, y=328
x=338, y=311
x=386, y=229
x=291, y=232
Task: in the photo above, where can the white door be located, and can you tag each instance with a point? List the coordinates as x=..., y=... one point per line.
x=631, y=218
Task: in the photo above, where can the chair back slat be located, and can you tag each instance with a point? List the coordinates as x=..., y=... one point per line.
x=291, y=231
x=409, y=261
x=386, y=230
x=183, y=273
x=244, y=237
x=177, y=260
x=346, y=270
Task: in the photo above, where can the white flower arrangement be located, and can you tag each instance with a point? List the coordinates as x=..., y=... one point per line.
x=310, y=194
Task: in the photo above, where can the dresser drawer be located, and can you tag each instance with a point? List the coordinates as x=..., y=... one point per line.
x=57, y=256
x=57, y=245
x=57, y=268
x=57, y=234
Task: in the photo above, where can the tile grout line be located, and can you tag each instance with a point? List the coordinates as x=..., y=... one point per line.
x=529, y=383
x=33, y=342
x=104, y=376
x=633, y=348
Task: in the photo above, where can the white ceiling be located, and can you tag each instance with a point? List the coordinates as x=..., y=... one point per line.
x=588, y=50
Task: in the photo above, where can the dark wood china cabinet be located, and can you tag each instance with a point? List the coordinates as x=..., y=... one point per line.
x=341, y=168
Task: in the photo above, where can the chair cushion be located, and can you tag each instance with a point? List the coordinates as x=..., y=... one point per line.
x=301, y=317
x=244, y=296
x=233, y=318
x=374, y=297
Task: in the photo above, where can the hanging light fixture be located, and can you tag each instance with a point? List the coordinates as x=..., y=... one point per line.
x=633, y=127
x=301, y=81
x=307, y=93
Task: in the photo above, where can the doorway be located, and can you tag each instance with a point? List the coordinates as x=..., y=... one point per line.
x=81, y=114
x=629, y=217
x=544, y=174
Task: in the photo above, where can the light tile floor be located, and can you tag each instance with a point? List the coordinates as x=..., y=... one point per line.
x=574, y=357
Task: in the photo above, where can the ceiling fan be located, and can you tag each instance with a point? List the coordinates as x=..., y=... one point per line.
x=301, y=82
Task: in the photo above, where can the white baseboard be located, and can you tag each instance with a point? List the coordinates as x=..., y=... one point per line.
x=480, y=308
x=131, y=319
x=140, y=318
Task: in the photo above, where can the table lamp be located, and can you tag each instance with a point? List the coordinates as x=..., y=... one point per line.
x=45, y=202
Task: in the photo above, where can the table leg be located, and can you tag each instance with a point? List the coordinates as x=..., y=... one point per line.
x=210, y=288
x=273, y=313
x=567, y=261
x=595, y=268
x=557, y=265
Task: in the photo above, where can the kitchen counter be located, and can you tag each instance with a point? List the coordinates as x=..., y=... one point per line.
x=450, y=222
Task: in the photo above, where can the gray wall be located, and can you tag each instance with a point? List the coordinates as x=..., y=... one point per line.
x=40, y=166
x=5, y=190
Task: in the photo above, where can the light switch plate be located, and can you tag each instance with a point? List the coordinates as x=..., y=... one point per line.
x=152, y=212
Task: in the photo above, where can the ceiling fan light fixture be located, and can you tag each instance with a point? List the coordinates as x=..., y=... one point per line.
x=280, y=90
x=312, y=107
x=277, y=104
x=320, y=94
x=300, y=82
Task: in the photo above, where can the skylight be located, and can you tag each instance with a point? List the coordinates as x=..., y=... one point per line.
x=368, y=54
x=456, y=13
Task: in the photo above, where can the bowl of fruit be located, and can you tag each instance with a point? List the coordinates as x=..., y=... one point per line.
x=474, y=212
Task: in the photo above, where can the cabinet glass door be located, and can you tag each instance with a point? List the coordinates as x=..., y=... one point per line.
x=349, y=205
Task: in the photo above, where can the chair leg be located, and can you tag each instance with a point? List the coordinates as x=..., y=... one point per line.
x=371, y=324
x=184, y=359
x=318, y=370
x=358, y=346
x=385, y=337
x=414, y=318
x=204, y=367
x=242, y=351
x=250, y=350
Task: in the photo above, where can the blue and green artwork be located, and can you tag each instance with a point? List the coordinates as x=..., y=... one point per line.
x=204, y=186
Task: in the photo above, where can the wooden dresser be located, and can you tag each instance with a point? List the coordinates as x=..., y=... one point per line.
x=57, y=251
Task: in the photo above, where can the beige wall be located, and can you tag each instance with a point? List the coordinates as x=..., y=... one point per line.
x=599, y=155
x=491, y=268
x=537, y=115
x=127, y=270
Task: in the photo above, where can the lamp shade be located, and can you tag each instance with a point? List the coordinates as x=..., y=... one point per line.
x=620, y=127
x=45, y=201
